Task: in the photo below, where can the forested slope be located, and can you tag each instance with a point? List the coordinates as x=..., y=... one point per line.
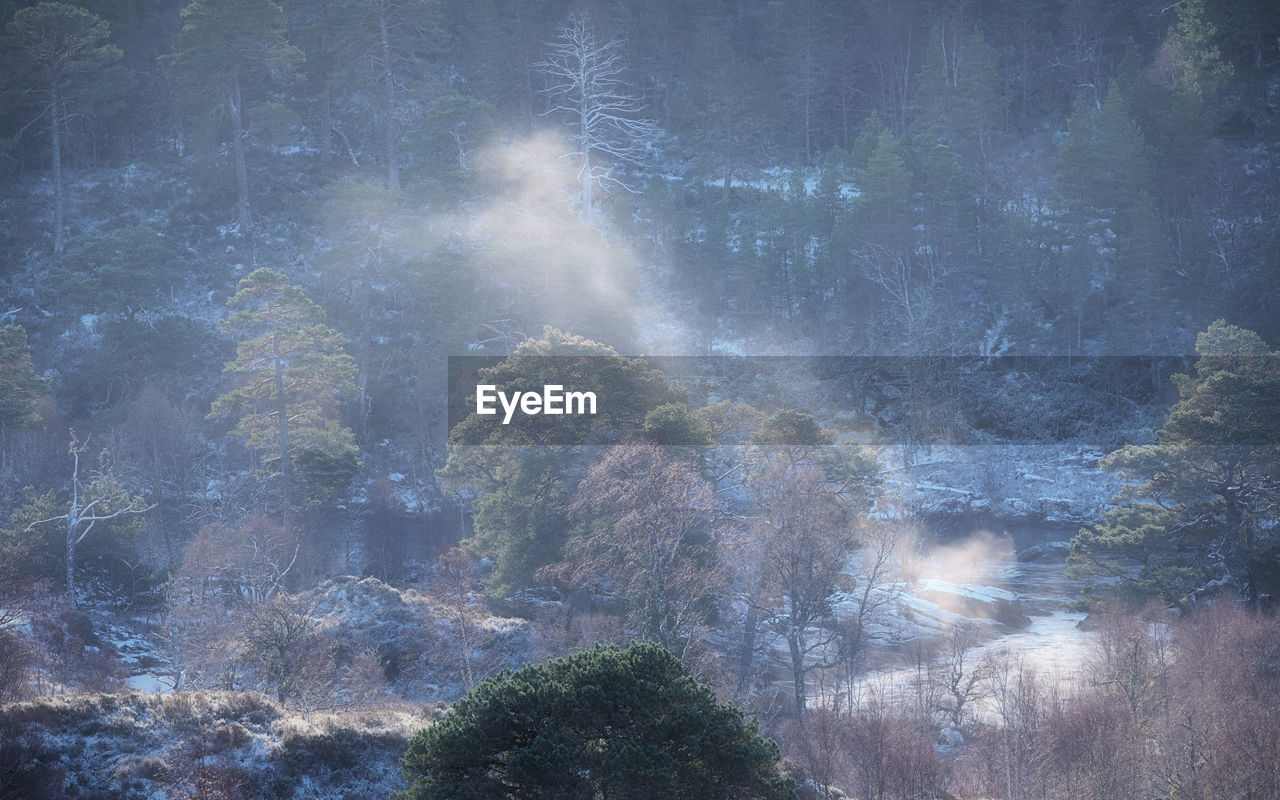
x=241, y=239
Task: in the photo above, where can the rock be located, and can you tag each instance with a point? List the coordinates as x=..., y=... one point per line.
x=976, y=602
x=949, y=738
x=1047, y=553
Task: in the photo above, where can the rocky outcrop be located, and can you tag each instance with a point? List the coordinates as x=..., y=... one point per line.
x=975, y=602
x=1011, y=484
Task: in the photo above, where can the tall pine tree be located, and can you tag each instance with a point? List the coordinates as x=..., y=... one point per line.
x=290, y=375
x=224, y=51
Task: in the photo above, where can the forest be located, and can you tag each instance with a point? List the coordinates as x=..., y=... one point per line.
x=937, y=446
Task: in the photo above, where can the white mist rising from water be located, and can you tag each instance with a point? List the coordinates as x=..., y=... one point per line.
x=981, y=558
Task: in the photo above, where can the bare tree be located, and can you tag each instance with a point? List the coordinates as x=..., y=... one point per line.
x=889, y=756
x=225, y=572
x=306, y=661
x=915, y=288
x=806, y=539
x=959, y=673
x=1130, y=664
x=650, y=542
x=587, y=85
x=1018, y=698
x=245, y=564
x=876, y=590
x=101, y=498
x=454, y=584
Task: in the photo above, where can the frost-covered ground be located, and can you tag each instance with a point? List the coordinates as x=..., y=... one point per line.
x=1056, y=484
x=1011, y=596
x=135, y=746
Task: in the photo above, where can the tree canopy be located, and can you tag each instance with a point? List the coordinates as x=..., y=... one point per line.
x=222, y=48
x=528, y=471
x=20, y=386
x=603, y=723
x=1200, y=505
x=291, y=374
x=66, y=44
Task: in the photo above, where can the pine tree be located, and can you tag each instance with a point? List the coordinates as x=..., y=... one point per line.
x=66, y=44
x=960, y=101
x=1141, y=260
x=1200, y=505
x=1105, y=164
x=20, y=386
x=883, y=211
x=726, y=105
x=948, y=212
x=1103, y=172
x=602, y=723
x=322, y=30
x=401, y=35
x=225, y=49
x=122, y=270
x=291, y=373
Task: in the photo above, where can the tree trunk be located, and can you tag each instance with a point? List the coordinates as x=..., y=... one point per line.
x=388, y=76
x=243, y=211
x=71, y=557
x=326, y=126
x=585, y=144
x=364, y=361
x=175, y=641
x=55, y=147
x=748, y=648
x=282, y=420
x=797, y=672
x=73, y=522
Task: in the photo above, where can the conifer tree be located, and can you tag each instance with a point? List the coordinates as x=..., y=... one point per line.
x=399, y=36
x=20, y=386
x=291, y=373
x=225, y=49
x=602, y=723
x=66, y=43
x=1104, y=170
x=960, y=100
x=1200, y=504
x=884, y=209
x=1105, y=163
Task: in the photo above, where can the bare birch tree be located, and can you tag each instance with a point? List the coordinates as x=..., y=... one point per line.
x=587, y=86
x=650, y=543
x=100, y=498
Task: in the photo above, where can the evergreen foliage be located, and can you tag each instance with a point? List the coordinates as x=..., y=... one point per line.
x=226, y=49
x=119, y=271
x=1200, y=506
x=20, y=386
x=603, y=723
x=291, y=373
x=65, y=45
x=528, y=471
